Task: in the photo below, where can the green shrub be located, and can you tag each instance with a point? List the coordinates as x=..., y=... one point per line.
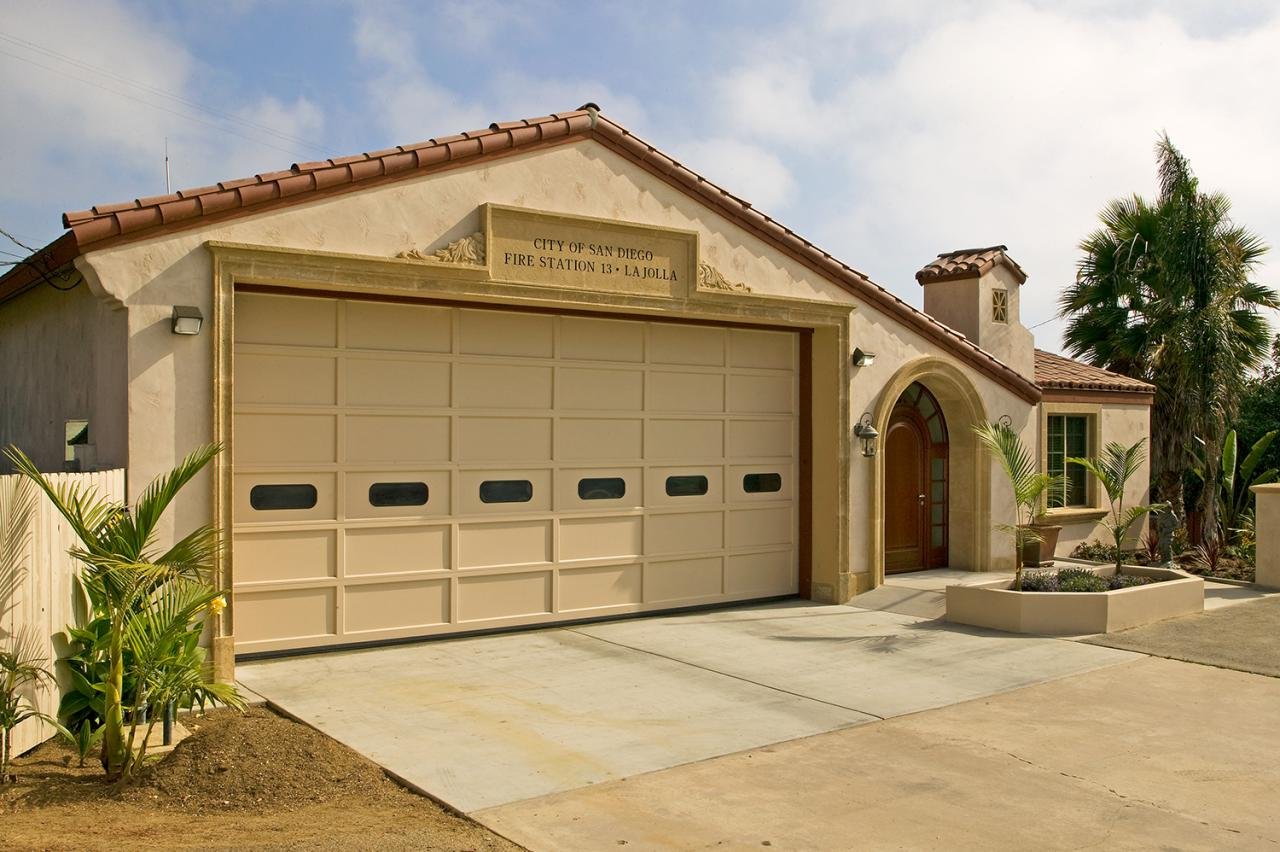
x=1040, y=581
x=1128, y=581
x=1080, y=580
x=1095, y=551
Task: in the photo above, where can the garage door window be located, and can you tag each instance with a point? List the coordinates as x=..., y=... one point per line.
x=602, y=488
x=398, y=494
x=506, y=491
x=761, y=483
x=270, y=497
x=686, y=486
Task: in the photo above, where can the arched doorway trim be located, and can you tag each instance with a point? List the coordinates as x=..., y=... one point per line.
x=969, y=500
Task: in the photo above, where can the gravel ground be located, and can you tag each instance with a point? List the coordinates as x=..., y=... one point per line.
x=1244, y=637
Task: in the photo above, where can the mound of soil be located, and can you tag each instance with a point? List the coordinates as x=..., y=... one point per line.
x=234, y=761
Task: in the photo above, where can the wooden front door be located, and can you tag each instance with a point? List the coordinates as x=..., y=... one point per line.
x=915, y=504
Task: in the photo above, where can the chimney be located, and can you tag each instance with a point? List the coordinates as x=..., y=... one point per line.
x=976, y=292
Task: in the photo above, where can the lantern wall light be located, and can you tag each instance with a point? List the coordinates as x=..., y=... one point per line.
x=868, y=435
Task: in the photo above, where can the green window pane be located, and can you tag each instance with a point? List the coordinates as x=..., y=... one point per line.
x=1077, y=438
x=939, y=492
x=939, y=469
x=912, y=393
x=1077, y=486
x=938, y=514
x=926, y=406
x=935, y=430
x=936, y=536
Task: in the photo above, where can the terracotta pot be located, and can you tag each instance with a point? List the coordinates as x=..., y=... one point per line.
x=1039, y=554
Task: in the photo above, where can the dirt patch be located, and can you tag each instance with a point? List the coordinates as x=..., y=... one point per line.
x=240, y=781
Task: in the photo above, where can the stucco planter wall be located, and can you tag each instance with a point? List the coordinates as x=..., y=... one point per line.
x=994, y=604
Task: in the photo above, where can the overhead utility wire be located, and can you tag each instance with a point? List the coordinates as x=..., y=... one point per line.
x=227, y=116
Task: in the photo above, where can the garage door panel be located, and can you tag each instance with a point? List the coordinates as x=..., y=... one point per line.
x=686, y=344
x=282, y=498
x=685, y=580
x=285, y=555
x=272, y=379
x=504, y=491
x=761, y=482
x=396, y=550
x=761, y=394
x=596, y=488
x=601, y=587
x=773, y=573
x=686, y=391
x=498, y=596
x=583, y=389
x=758, y=527
x=773, y=350
x=502, y=386
x=601, y=538
x=285, y=614
x=599, y=439
x=504, y=544
x=761, y=438
x=394, y=383
x=396, y=438
x=586, y=339
x=506, y=333
x=425, y=469
x=677, y=438
x=504, y=439
x=683, y=532
x=684, y=486
x=273, y=439
x=285, y=320
x=398, y=327
x=390, y=606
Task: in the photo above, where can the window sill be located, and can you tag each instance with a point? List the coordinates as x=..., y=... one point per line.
x=1074, y=516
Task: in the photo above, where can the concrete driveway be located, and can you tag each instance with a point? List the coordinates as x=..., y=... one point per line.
x=488, y=721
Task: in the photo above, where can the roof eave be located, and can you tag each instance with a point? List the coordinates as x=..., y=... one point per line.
x=34, y=269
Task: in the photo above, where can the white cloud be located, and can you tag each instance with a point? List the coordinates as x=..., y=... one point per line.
x=746, y=170
x=1012, y=123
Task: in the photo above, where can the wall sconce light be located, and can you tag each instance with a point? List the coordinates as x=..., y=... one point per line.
x=868, y=434
x=187, y=319
x=863, y=359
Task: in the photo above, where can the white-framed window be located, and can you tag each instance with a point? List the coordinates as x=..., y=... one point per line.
x=1000, y=305
x=1068, y=437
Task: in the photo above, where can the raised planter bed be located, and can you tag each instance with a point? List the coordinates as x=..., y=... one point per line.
x=994, y=604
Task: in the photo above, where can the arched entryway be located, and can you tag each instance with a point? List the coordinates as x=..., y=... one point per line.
x=916, y=480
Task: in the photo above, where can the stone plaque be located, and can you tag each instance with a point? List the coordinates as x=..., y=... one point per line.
x=553, y=249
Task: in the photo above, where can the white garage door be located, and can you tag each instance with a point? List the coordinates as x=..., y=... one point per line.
x=407, y=470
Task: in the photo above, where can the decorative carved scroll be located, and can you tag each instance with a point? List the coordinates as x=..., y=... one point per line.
x=468, y=250
x=709, y=278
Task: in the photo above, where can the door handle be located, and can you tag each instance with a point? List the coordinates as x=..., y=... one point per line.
x=921, y=498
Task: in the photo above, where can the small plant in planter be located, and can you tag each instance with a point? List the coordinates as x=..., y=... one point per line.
x=1030, y=486
x=1113, y=470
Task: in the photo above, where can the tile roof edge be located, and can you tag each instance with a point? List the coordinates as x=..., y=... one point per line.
x=124, y=222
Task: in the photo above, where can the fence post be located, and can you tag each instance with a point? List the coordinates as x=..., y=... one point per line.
x=1267, y=525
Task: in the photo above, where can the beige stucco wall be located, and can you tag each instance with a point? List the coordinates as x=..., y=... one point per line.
x=170, y=378
x=1124, y=423
x=63, y=357
x=1267, y=510
x=966, y=306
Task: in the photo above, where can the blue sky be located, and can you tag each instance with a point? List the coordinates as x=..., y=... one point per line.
x=883, y=132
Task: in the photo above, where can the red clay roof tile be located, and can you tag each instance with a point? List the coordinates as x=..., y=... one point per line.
x=1063, y=373
x=968, y=263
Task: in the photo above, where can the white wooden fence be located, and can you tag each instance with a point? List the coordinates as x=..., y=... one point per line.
x=44, y=600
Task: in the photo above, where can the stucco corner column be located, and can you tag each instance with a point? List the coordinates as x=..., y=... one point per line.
x=1267, y=524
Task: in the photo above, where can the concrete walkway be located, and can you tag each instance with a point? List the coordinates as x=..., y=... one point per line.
x=488, y=721
x=1151, y=754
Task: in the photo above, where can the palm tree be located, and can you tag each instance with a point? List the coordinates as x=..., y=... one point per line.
x=150, y=596
x=1029, y=484
x=1113, y=469
x=1163, y=293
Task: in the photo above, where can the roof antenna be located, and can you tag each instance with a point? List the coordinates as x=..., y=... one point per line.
x=166, y=165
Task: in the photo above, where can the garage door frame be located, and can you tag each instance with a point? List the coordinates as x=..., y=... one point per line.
x=824, y=450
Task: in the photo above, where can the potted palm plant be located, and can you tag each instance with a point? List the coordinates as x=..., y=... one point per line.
x=1030, y=486
x=1113, y=470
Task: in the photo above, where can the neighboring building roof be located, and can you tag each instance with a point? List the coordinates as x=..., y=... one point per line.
x=1057, y=372
x=111, y=224
x=969, y=263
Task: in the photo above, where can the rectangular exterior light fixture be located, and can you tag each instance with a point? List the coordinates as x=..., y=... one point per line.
x=863, y=359
x=187, y=319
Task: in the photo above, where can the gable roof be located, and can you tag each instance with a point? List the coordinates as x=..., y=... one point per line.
x=107, y=225
x=1057, y=372
x=969, y=263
